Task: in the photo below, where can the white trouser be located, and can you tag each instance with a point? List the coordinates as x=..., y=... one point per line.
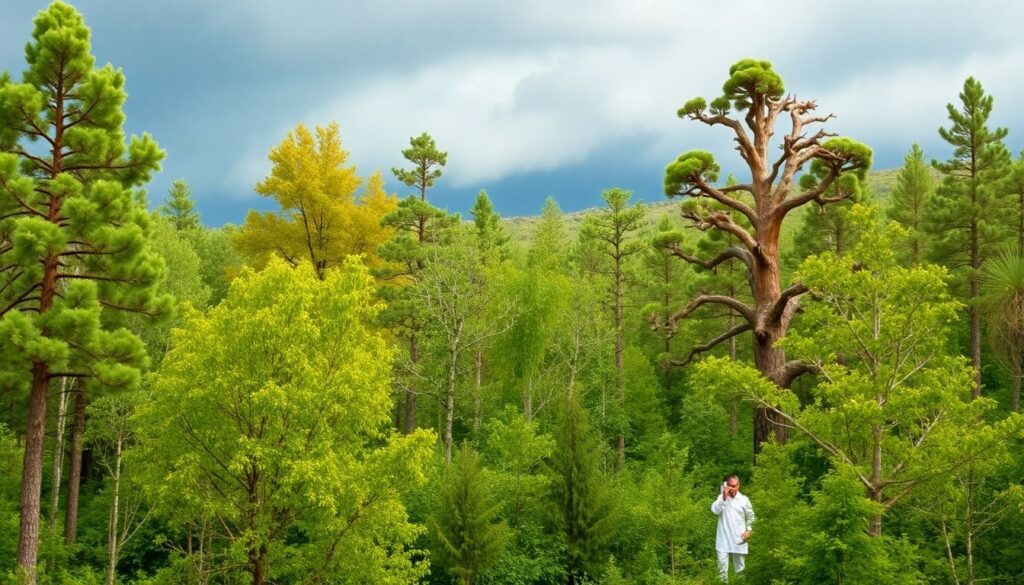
x=723, y=563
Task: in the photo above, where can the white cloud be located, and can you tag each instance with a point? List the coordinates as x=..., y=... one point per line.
x=536, y=86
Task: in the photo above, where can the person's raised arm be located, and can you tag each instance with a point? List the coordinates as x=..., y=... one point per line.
x=716, y=506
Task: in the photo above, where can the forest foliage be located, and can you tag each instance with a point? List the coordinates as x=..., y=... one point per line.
x=362, y=387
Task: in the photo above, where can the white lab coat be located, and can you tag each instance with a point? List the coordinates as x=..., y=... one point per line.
x=735, y=516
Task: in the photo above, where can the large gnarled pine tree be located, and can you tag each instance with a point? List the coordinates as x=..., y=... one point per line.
x=752, y=103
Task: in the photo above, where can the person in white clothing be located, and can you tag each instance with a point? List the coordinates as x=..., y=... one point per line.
x=735, y=520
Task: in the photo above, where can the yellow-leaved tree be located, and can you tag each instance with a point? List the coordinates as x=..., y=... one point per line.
x=324, y=216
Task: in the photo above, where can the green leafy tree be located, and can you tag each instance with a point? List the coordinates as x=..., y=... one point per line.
x=549, y=245
x=515, y=450
x=492, y=240
x=72, y=234
x=468, y=533
x=756, y=93
x=462, y=310
x=611, y=231
x=967, y=216
x=908, y=201
x=890, y=404
x=581, y=509
x=179, y=207
x=269, y=418
x=111, y=433
x=220, y=261
x=838, y=548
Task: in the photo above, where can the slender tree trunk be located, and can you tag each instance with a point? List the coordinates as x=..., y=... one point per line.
x=75, y=471
x=875, y=493
x=734, y=403
x=975, y=314
x=620, y=384
x=1015, y=397
x=478, y=399
x=949, y=554
x=58, y=453
x=449, y=407
x=410, y=392
x=528, y=399
x=112, y=538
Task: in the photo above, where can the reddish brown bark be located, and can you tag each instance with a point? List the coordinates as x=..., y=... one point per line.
x=754, y=221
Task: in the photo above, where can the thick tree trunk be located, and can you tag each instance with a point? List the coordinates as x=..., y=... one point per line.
x=32, y=473
x=35, y=434
x=75, y=470
x=410, y=392
x=769, y=360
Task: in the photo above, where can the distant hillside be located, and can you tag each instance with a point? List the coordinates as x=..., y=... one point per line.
x=521, y=228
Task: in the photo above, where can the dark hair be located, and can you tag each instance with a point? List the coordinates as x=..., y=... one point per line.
x=731, y=476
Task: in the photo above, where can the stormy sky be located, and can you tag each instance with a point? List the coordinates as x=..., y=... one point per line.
x=530, y=98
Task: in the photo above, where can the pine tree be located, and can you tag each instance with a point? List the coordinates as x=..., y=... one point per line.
x=1014, y=188
x=909, y=199
x=416, y=225
x=548, y=249
x=580, y=503
x=178, y=207
x=611, y=232
x=967, y=217
x=490, y=233
x=427, y=161
x=72, y=234
x=469, y=537
x=664, y=284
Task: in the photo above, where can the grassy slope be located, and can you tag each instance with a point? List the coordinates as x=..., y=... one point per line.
x=521, y=229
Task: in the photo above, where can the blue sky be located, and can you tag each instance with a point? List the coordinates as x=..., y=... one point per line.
x=530, y=98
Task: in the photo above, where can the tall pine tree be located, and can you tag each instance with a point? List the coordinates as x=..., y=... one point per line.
x=611, y=232
x=967, y=216
x=580, y=503
x=909, y=199
x=469, y=536
x=72, y=234
x=178, y=207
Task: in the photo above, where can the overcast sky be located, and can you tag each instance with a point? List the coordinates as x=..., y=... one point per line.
x=530, y=98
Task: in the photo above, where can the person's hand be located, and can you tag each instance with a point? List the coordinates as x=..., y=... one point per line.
x=745, y=535
x=725, y=492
